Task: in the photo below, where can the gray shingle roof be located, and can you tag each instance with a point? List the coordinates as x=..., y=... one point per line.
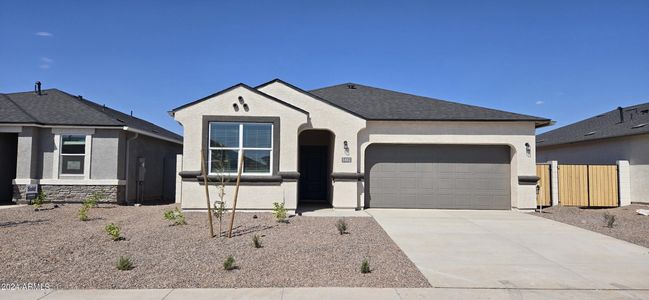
x=55, y=107
x=379, y=104
x=606, y=125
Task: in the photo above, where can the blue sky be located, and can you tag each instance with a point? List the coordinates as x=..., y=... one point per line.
x=565, y=60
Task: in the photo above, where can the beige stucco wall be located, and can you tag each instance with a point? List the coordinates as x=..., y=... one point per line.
x=358, y=133
x=634, y=148
x=513, y=134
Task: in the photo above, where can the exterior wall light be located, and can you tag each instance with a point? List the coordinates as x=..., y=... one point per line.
x=346, y=147
x=528, y=148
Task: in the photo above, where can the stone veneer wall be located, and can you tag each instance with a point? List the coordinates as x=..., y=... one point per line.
x=73, y=193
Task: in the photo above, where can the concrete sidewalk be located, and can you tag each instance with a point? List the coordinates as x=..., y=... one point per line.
x=326, y=293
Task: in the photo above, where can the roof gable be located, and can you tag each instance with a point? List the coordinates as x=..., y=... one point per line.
x=631, y=120
x=379, y=104
x=309, y=94
x=242, y=85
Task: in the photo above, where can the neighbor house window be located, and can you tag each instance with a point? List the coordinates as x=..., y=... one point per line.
x=73, y=154
x=228, y=140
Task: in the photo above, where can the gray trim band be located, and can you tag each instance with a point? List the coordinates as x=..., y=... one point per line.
x=528, y=180
x=347, y=176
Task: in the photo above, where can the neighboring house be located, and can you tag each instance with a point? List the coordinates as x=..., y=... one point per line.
x=72, y=148
x=620, y=134
x=354, y=146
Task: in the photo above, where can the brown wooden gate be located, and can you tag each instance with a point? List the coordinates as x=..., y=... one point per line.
x=544, y=196
x=588, y=185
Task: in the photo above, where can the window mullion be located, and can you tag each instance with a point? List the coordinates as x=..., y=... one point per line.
x=240, y=149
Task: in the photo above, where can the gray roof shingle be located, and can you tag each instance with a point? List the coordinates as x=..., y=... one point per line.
x=606, y=125
x=55, y=107
x=379, y=104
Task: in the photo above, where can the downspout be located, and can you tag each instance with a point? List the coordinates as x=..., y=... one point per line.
x=126, y=170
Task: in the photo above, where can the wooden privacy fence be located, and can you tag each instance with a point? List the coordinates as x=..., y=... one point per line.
x=588, y=185
x=544, y=196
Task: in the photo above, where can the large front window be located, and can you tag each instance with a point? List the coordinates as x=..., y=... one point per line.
x=228, y=140
x=73, y=152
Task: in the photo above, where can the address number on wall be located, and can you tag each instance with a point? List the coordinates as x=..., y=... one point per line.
x=347, y=160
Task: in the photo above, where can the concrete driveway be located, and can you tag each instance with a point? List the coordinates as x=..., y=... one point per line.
x=509, y=249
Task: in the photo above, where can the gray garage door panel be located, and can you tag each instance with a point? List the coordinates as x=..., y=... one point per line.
x=437, y=176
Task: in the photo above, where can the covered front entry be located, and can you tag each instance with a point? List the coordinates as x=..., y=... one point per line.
x=315, y=165
x=437, y=176
x=8, y=152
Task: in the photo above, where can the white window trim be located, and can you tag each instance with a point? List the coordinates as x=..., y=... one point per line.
x=239, y=156
x=56, y=168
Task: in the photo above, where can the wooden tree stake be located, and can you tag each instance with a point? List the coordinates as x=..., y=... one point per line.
x=236, y=195
x=207, y=193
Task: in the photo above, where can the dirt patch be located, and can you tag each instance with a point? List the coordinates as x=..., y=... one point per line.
x=628, y=226
x=54, y=247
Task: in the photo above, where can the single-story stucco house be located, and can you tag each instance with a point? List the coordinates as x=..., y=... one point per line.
x=620, y=134
x=70, y=148
x=354, y=146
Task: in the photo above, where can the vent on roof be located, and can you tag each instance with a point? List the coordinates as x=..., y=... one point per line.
x=621, y=111
x=37, y=88
x=351, y=86
x=590, y=133
x=639, y=125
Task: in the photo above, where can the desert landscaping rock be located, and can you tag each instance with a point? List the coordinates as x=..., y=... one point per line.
x=629, y=226
x=53, y=246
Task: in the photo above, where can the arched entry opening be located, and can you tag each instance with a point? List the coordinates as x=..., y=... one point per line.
x=315, y=164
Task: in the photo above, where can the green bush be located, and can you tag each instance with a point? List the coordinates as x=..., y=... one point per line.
x=176, y=216
x=83, y=213
x=93, y=200
x=124, y=263
x=609, y=220
x=365, y=266
x=39, y=200
x=113, y=231
x=279, y=212
x=256, y=241
x=228, y=264
x=341, y=225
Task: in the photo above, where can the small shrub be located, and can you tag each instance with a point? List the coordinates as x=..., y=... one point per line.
x=93, y=200
x=124, y=263
x=228, y=264
x=365, y=266
x=176, y=216
x=279, y=212
x=256, y=241
x=83, y=213
x=341, y=225
x=39, y=200
x=609, y=220
x=113, y=231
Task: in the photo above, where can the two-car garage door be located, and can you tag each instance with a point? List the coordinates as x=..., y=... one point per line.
x=437, y=176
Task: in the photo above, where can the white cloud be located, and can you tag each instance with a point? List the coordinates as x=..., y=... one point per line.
x=47, y=60
x=540, y=102
x=44, y=33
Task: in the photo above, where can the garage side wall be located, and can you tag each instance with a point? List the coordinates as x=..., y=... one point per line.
x=608, y=151
x=513, y=134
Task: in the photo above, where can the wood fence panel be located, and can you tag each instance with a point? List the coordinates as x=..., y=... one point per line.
x=603, y=186
x=543, y=198
x=573, y=185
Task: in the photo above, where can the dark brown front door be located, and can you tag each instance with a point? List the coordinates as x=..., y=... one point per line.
x=313, y=173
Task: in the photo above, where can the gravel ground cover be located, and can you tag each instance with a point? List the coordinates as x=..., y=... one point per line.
x=629, y=226
x=54, y=247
